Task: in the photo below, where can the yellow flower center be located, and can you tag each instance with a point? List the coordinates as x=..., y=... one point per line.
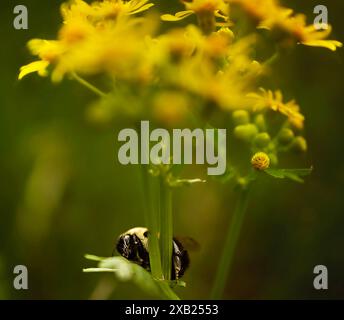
x=260, y=161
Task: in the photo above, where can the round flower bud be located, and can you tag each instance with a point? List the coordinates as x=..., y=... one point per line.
x=98, y=115
x=286, y=136
x=262, y=140
x=273, y=159
x=241, y=117
x=259, y=120
x=245, y=132
x=300, y=144
x=260, y=161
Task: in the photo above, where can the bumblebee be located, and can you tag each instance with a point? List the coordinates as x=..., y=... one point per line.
x=133, y=245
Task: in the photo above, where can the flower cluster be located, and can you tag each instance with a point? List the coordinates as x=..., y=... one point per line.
x=91, y=40
x=180, y=72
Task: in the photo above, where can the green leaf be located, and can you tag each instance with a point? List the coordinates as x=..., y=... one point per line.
x=292, y=174
x=126, y=271
x=176, y=183
x=93, y=257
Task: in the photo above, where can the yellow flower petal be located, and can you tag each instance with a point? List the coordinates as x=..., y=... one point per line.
x=177, y=17
x=143, y=8
x=329, y=44
x=38, y=66
x=274, y=101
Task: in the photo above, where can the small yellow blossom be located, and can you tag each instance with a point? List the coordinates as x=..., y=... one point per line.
x=222, y=73
x=261, y=10
x=274, y=101
x=206, y=10
x=102, y=10
x=309, y=36
x=260, y=161
x=270, y=14
x=48, y=51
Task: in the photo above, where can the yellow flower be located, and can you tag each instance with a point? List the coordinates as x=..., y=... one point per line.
x=207, y=5
x=274, y=101
x=269, y=14
x=48, y=51
x=107, y=9
x=261, y=10
x=309, y=35
x=75, y=9
x=260, y=161
x=213, y=67
x=206, y=10
x=91, y=39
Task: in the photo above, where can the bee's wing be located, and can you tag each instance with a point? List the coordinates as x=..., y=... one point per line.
x=188, y=243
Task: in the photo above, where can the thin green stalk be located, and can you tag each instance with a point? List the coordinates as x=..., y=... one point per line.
x=272, y=59
x=206, y=22
x=166, y=218
x=88, y=85
x=152, y=196
x=151, y=214
x=230, y=246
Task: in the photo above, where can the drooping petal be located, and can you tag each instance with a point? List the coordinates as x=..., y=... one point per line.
x=329, y=44
x=37, y=66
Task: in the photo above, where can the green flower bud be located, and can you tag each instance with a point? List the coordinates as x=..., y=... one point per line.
x=286, y=136
x=273, y=159
x=98, y=115
x=245, y=132
x=300, y=144
x=241, y=117
x=262, y=140
x=260, y=122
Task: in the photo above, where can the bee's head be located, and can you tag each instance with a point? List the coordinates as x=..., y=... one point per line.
x=132, y=241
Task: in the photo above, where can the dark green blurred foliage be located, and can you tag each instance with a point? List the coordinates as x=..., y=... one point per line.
x=63, y=193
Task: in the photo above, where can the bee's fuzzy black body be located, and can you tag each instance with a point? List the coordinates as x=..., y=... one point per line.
x=133, y=245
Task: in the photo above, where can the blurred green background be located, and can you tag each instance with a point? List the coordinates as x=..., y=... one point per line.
x=63, y=193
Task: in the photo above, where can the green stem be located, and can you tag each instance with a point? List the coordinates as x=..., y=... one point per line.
x=206, y=22
x=151, y=214
x=229, y=246
x=166, y=218
x=272, y=59
x=88, y=85
x=152, y=193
